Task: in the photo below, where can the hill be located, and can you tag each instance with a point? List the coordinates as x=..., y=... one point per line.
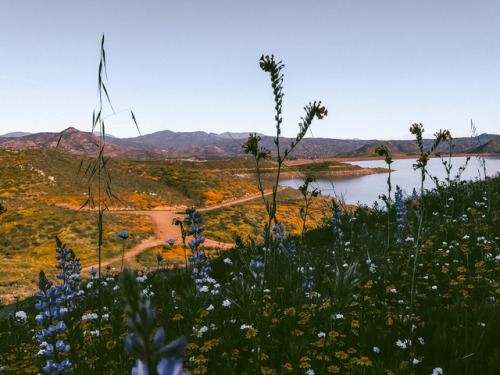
x=493, y=147
x=399, y=148
x=77, y=142
x=200, y=145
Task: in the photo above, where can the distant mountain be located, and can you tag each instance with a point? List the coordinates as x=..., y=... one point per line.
x=395, y=147
x=200, y=145
x=493, y=147
x=15, y=134
x=98, y=133
x=76, y=142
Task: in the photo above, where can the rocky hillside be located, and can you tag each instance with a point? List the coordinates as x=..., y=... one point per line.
x=210, y=146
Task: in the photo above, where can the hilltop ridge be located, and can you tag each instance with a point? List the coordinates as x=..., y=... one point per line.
x=200, y=145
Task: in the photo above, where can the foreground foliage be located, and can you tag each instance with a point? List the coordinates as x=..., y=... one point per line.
x=341, y=304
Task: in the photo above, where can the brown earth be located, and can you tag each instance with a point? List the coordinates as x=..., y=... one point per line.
x=164, y=230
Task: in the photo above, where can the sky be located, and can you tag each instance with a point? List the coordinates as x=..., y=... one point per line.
x=190, y=65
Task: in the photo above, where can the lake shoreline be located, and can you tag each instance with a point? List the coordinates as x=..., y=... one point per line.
x=367, y=158
x=366, y=189
x=342, y=174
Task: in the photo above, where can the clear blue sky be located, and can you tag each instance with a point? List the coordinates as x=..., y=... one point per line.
x=378, y=66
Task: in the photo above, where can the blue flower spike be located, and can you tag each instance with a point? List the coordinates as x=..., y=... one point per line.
x=54, y=302
x=123, y=234
x=146, y=345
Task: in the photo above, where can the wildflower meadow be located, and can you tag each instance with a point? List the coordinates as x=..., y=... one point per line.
x=410, y=287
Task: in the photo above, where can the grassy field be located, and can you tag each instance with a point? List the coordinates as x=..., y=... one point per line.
x=409, y=288
x=366, y=293
x=245, y=220
x=42, y=191
x=27, y=237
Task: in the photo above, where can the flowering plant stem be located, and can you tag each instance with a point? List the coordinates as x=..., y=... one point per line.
x=383, y=151
x=441, y=136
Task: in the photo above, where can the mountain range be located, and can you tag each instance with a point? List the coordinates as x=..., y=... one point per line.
x=200, y=145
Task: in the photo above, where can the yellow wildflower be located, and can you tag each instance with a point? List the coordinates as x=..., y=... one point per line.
x=333, y=369
x=252, y=332
x=341, y=355
x=201, y=369
x=364, y=361
x=290, y=311
x=206, y=347
x=235, y=354
x=325, y=305
x=215, y=342
x=333, y=334
x=110, y=344
x=200, y=359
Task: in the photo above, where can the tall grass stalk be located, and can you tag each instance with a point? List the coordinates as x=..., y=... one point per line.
x=482, y=161
x=96, y=171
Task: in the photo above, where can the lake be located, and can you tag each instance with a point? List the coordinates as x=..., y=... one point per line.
x=366, y=189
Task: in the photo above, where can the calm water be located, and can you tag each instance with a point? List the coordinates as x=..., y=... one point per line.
x=366, y=189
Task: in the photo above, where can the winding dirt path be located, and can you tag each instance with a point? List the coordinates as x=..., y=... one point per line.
x=165, y=230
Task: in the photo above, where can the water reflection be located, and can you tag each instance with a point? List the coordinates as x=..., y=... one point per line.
x=366, y=189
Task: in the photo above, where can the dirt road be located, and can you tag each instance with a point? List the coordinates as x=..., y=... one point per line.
x=165, y=230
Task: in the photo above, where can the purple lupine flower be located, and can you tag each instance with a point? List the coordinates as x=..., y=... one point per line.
x=123, y=234
x=144, y=343
x=53, y=303
x=337, y=225
x=401, y=220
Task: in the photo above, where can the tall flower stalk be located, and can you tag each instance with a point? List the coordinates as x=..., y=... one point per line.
x=441, y=136
x=401, y=220
x=383, y=151
x=96, y=172
x=145, y=342
x=53, y=304
x=123, y=235
x=269, y=65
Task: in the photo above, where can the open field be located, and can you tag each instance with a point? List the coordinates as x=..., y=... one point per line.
x=405, y=290
x=42, y=192
x=365, y=293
